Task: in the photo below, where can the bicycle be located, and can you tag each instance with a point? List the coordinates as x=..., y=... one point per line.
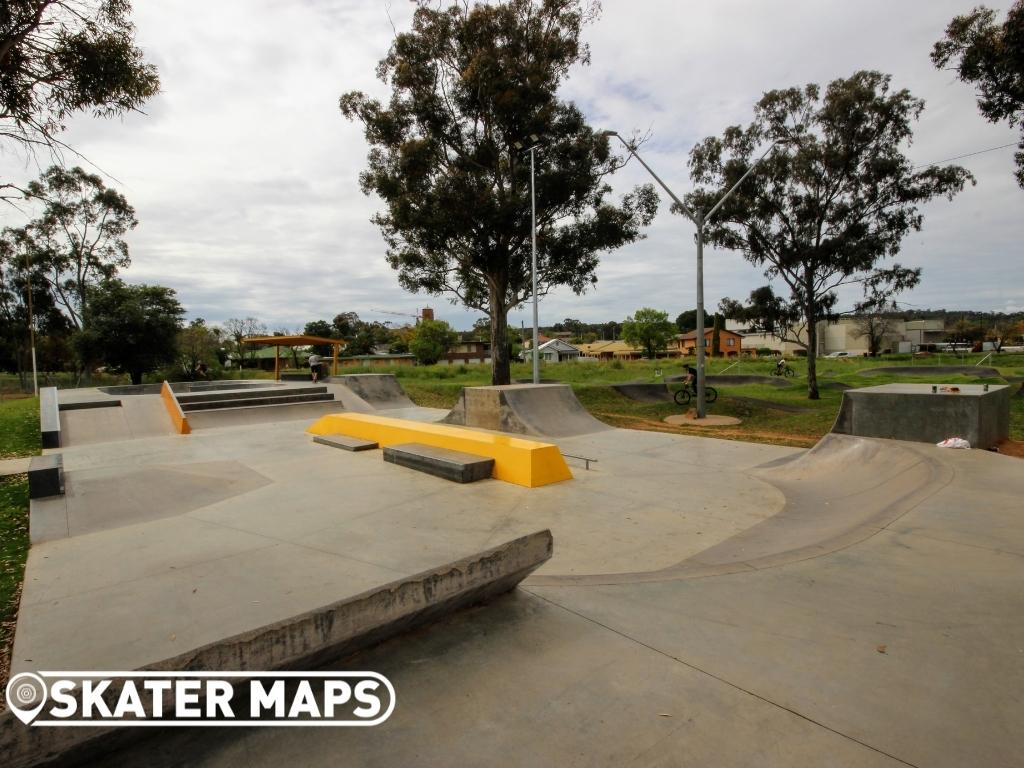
x=784, y=371
x=683, y=395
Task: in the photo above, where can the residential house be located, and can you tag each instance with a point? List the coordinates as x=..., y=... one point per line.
x=730, y=343
x=557, y=351
x=469, y=350
x=610, y=350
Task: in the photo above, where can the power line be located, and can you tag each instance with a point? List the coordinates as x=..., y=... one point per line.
x=969, y=154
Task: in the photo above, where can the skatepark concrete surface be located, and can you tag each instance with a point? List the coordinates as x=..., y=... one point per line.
x=708, y=602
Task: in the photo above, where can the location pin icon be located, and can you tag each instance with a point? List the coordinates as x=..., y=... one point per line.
x=26, y=695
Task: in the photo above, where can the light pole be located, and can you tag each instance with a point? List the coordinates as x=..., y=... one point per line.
x=533, y=251
x=699, y=218
x=31, y=322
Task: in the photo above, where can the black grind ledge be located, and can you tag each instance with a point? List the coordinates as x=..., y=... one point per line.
x=451, y=465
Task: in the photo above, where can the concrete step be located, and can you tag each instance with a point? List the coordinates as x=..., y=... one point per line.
x=346, y=443
x=256, y=392
x=251, y=402
x=451, y=465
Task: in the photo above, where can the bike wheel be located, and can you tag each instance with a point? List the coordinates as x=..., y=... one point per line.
x=682, y=396
x=790, y=372
x=710, y=394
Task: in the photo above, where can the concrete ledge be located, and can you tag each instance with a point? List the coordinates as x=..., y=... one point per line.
x=346, y=443
x=46, y=476
x=305, y=641
x=178, y=418
x=451, y=465
x=49, y=417
x=516, y=460
x=82, y=405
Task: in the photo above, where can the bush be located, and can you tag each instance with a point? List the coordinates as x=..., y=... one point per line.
x=616, y=365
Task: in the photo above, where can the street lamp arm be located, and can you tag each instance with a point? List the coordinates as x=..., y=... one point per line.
x=743, y=178
x=657, y=178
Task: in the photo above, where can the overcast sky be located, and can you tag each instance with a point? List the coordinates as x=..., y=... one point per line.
x=244, y=175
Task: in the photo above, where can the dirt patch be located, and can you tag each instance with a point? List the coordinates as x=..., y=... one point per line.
x=1013, y=448
x=725, y=433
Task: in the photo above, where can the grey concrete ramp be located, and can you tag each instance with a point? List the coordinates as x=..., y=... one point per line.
x=842, y=491
x=546, y=410
x=644, y=392
x=308, y=640
x=380, y=391
x=137, y=417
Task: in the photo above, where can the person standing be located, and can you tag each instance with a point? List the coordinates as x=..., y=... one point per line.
x=315, y=362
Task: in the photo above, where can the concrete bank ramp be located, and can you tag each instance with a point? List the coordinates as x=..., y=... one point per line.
x=644, y=392
x=546, y=410
x=378, y=391
x=840, y=492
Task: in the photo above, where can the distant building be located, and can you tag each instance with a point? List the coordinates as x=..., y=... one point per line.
x=610, y=350
x=557, y=351
x=846, y=335
x=730, y=343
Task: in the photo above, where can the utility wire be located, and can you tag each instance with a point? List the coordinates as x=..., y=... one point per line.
x=969, y=154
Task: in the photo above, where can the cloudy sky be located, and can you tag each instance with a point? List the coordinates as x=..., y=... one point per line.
x=244, y=174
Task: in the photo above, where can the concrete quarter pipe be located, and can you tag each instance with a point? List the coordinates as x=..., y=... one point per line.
x=547, y=410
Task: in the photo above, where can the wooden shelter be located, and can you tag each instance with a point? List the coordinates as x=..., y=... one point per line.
x=297, y=341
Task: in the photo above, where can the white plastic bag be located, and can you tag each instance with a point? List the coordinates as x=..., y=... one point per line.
x=954, y=442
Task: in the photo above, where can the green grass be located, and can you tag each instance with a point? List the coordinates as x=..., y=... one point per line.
x=19, y=436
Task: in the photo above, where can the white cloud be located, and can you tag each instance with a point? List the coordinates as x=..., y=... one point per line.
x=244, y=174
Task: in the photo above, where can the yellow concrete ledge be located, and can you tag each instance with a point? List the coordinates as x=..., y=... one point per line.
x=178, y=417
x=519, y=461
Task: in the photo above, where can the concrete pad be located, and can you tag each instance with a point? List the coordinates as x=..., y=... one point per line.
x=523, y=682
x=710, y=603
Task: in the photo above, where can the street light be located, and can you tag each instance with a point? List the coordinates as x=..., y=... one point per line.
x=700, y=219
x=535, y=139
x=31, y=322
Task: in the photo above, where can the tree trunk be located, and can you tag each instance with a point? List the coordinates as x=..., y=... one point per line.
x=501, y=372
x=812, y=357
x=136, y=376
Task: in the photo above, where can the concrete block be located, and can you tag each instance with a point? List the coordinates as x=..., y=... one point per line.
x=345, y=442
x=46, y=476
x=308, y=641
x=913, y=412
x=49, y=417
x=456, y=466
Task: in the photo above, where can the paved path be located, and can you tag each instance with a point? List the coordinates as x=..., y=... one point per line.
x=14, y=466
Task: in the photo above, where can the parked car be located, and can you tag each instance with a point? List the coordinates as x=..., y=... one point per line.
x=838, y=354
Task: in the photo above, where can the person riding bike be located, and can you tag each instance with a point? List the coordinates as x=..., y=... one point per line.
x=780, y=367
x=691, y=377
